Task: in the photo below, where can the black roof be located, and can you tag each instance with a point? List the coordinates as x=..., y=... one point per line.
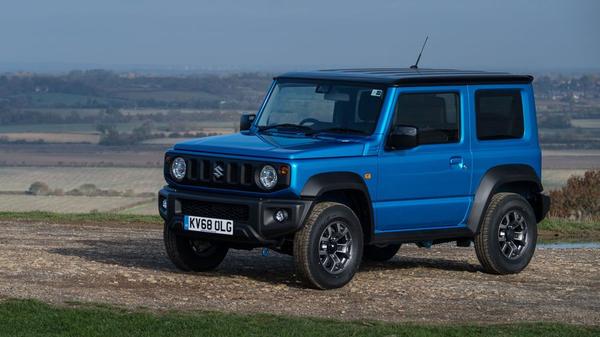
x=408, y=76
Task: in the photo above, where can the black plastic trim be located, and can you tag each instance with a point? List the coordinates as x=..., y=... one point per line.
x=332, y=181
x=435, y=235
x=410, y=77
x=491, y=181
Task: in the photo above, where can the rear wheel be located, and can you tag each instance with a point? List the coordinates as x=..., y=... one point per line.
x=328, y=249
x=381, y=253
x=508, y=235
x=193, y=255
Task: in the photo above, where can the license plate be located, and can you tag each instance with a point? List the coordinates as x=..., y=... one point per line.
x=207, y=225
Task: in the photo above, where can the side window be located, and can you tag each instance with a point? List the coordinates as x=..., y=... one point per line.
x=499, y=114
x=435, y=115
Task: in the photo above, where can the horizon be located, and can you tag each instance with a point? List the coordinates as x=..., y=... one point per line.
x=58, y=69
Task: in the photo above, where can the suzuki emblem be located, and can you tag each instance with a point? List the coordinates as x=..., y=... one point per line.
x=218, y=171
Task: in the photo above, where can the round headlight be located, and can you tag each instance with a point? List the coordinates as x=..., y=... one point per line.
x=268, y=177
x=178, y=168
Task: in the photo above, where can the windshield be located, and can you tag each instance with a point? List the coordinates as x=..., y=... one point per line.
x=317, y=107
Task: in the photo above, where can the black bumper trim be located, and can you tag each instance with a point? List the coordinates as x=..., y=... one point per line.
x=259, y=229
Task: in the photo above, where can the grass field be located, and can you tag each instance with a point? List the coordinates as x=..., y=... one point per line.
x=586, y=123
x=49, y=137
x=61, y=128
x=146, y=208
x=67, y=204
x=116, y=178
x=32, y=318
x=88, y=218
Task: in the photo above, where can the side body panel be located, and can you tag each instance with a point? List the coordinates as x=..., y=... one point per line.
x=429, y=186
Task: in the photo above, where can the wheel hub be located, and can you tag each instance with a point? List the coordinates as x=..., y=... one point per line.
x=331, y=246
x=335, y=247
x=512, y=234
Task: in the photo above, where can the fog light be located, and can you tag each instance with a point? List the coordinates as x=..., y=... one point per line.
x=281, y=215
x=163, y=204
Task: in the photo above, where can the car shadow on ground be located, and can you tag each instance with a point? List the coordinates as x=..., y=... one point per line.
x=275, y=269
x=404, y=262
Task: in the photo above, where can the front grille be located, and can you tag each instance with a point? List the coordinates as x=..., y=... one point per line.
x=219, y=171
x=223, y=173
x=215, y=210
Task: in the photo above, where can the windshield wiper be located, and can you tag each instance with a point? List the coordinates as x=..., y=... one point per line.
x=339, y=130
x=304, y=129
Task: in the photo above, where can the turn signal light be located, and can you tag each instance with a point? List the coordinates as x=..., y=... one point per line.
x=284, y=170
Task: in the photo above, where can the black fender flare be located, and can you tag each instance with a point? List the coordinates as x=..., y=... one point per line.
x=489, y=184
x=332, y=181
x=322, y=183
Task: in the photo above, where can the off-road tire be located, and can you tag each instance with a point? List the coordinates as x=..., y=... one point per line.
x=380, y=253
x=307, y=241
x=180, y=251
x=487, y=245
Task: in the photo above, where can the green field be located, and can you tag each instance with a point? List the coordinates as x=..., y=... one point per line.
x=21, y=318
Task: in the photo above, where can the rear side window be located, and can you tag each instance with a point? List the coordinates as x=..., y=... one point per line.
x=499, y=114
x=435, y=115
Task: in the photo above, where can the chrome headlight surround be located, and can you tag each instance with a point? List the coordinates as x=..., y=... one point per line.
x=267, y=177
x=178, y=169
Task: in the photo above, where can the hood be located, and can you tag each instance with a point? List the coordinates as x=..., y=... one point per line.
x=274, y=146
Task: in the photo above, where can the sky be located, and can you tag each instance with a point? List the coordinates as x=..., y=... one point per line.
x=280, y=34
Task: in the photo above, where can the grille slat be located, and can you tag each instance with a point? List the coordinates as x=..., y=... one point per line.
x=215, y=210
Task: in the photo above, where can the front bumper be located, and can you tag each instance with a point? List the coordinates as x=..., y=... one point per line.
x=253, y=217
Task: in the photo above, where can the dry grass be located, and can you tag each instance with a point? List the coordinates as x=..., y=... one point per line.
x=555, y=179
x=579, y=199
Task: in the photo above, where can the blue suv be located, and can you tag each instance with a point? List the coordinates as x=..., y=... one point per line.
x=343, y=165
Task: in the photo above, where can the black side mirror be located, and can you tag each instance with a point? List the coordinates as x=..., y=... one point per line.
x=246, y=121
x=403, y=137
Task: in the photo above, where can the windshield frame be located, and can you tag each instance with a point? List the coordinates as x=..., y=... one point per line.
x=384, y=88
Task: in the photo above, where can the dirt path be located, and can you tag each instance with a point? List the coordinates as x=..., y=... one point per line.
x=126, y=266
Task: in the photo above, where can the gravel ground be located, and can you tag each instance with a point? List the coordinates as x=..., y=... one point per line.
x=126, y=266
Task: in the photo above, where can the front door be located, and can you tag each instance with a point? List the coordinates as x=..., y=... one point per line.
x=428, y=186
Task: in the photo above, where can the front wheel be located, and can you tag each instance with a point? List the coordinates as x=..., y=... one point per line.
x=508, y=235
x=328, y=249
x=192, y=255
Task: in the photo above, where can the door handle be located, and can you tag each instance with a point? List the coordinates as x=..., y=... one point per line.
x=457, y=162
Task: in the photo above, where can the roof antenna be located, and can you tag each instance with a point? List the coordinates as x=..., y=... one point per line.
x=416, y=65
